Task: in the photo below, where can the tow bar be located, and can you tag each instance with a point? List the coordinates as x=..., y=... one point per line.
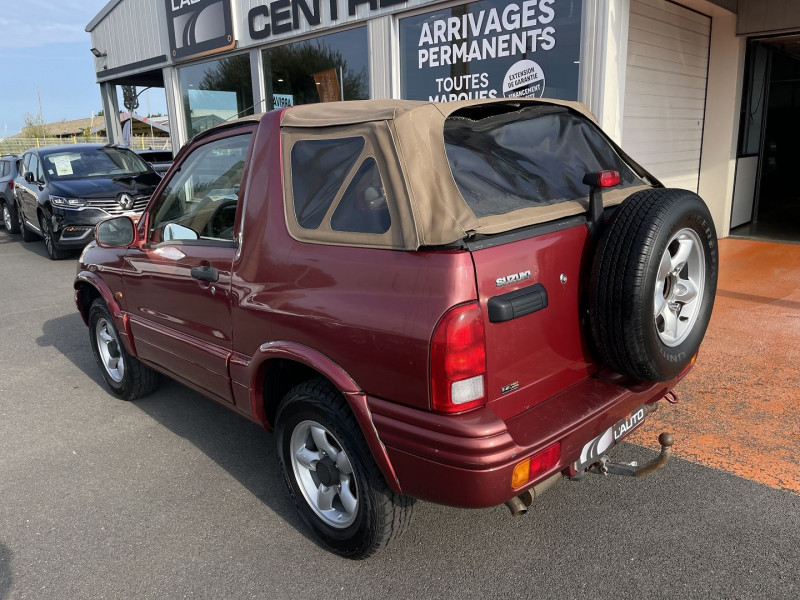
x=606, y=466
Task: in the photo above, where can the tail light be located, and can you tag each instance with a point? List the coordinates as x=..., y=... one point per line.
x=11, y=185
x=458, y=360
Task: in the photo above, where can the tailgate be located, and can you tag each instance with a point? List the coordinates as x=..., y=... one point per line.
x=529, y=292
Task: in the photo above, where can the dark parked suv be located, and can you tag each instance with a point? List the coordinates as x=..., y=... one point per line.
x=62, y=192
x=9, y=165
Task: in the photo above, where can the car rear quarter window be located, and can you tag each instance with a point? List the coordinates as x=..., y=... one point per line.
x=319, y=168
x=536, y=156
x=363, y=207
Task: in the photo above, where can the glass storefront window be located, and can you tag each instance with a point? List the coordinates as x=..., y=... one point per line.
x=493, y=49
x=322, y=69
x=216, y=91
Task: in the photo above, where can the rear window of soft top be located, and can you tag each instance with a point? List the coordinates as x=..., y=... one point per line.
x=536, y=156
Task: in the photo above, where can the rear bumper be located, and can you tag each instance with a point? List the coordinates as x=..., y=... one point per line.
x=467, y=460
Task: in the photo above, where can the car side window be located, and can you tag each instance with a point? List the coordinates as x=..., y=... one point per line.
x=363, y=207
x=35, y=168
x=39, y=172
x=199, y=202
x=26, y=163
x=5, y=169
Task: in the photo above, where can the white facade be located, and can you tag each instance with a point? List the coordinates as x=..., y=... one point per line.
x=663, y=78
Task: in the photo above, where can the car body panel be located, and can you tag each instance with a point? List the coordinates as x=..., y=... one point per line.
x=536, y=355
x=179, y=322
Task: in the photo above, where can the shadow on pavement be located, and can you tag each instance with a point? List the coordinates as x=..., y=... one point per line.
x=35, y=247
x=5, y=570
x=240, y=447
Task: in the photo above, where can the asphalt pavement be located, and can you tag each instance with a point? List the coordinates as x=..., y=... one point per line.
x=175, y=496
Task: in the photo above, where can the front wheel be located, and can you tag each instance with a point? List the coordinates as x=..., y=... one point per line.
x=49, y=241
x=336, y=486
x=27, y=234
x=125, y=375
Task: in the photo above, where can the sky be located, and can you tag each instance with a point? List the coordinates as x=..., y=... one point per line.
x=45, y=45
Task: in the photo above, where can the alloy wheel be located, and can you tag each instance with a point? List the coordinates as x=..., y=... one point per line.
x=110, y=351
x=7, y=218
x=324, y=474
x=679, y=288
x=47, y=234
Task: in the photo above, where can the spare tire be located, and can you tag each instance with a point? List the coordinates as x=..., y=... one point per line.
x=653, y=283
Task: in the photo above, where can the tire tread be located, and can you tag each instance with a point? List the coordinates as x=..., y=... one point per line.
x=394, y=511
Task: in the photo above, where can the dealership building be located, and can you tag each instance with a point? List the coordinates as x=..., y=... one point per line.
x=705, y=94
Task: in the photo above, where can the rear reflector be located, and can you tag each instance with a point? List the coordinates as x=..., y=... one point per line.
x=538, y=464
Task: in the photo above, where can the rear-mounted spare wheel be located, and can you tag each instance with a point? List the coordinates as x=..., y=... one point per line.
x=653, y=284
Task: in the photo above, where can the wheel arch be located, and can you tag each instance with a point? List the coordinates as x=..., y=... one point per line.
x=280, y=366
x=88, y=288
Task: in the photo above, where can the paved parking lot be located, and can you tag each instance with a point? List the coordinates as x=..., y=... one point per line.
x=174, y=496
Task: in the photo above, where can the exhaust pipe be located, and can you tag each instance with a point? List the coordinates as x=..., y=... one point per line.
x=518, y=505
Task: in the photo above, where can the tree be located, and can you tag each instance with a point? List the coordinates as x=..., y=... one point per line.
x=129, y=98
x=34, y=126
x=296, y=64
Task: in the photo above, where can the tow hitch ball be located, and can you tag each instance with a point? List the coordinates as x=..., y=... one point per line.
x=605, y=466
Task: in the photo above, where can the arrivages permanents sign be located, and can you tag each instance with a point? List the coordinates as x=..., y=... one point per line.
x=493, y=49
x=199, y=27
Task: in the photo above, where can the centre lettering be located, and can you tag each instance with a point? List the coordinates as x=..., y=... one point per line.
x=283, y=16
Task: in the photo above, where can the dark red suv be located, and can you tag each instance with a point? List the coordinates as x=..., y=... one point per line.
x=461, y=303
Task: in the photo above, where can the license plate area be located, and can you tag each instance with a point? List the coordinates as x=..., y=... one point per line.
x=597, y=447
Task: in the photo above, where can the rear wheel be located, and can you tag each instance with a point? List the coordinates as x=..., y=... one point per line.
x=653, y=284
x=336, y=486
x=125, y=375
x=9, y=219
x=49, y=241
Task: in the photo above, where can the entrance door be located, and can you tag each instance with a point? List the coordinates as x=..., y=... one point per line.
x=766, y=201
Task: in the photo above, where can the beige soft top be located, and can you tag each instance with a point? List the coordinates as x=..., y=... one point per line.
x=436, y=214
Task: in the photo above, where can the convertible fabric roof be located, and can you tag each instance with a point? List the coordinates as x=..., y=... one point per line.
x=429, y=206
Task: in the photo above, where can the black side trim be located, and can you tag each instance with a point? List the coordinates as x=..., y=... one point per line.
x=517, y=303
x=481, y=241
x=156, y=60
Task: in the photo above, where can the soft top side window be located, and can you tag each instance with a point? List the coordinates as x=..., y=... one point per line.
x=319, y=168
x=363, y=207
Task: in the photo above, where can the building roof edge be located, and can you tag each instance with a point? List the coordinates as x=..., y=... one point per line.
x=101, y=15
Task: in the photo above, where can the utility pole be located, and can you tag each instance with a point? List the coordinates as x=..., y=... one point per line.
x=39, y=94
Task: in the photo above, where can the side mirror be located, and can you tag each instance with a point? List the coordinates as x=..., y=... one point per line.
x=118, y=232
x=29, y=177
x=173, y=231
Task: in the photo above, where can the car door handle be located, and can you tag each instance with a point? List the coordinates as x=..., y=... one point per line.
x=205, y=273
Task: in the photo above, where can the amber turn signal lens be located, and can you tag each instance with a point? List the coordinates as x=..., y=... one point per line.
x=521, y=474
x=530, y=468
